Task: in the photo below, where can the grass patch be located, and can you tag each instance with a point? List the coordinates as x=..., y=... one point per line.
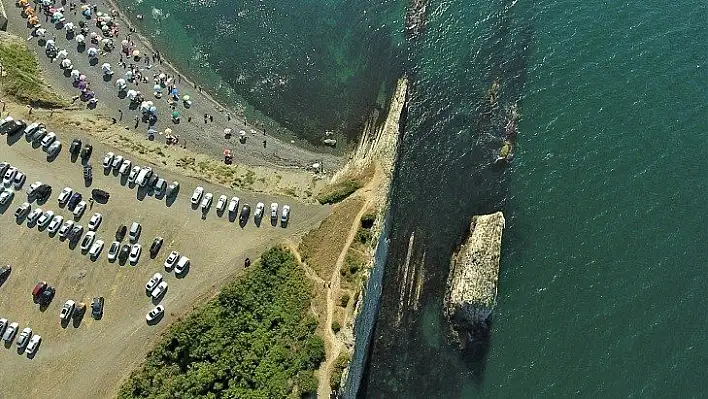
x=340, y=190
x=254, y=340
x=24, y=78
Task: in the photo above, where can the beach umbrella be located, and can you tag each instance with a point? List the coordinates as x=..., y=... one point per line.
x=175, y=114
x=92, y=52
x=69, y=26
x=129, y=75
x=162, y=76
x=153, y=110
x=63, y=53
x=82, y=85
x=144, y=107
x=124, y=43
x=80, y=39
x=82, y=77
x=57, y=16
x=242, y=133
x=227, y=131
x=105, y=28
x=49, y=44
x=168, y=131
x=120, y=83
x=175, y=92
x=131, y=94
x=75, y=74
x=186, y=98
x=93, y=35
x=136, y=53
x=89, y=94
x=66, y=63
x=106, y=41
x=41, y=32
x=157, y=88
x=106, y=67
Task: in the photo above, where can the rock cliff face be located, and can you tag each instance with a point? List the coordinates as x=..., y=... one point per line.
x=474, y=273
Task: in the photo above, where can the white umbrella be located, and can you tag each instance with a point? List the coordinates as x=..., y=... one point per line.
x=131, y=94
x=105, y=41
x=162, y=76
x=242, y=133
x=105, y=28
x=92, y=52
x=41, y=32
x=75, y=74
x=69, y=26
x=106, y=66
x=129, y=75
x=63, y=54
x=124, y=43
x=149, y=103
x=144, y=107
x=80, y=39
x=93, y=35
x=50, y=44
x=120, y=82
x=66, y=63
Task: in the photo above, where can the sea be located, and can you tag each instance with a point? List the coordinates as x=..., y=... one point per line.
x=603, y=287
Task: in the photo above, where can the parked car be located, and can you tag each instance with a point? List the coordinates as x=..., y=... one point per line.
x=79, y=311
x=54, y=148
x=45, y=219
x=9, y=175
x=65, y=228
x=153, y=282
x=6, y=197
x=107, y=160
x=117, y=162
x=86, y=152
x=172, y=258
x=13, y=128
x=45, y=298
x=134, y=174
x=88, y=240
x=160, y=186
x=55, y=224
x=152, y=181
x=100, y=195
x=159, y=291
x=155, y=313
x=3, y=326
x=120, y=232
x=274, y=211
x=113, y=251
x=245, y=213
x=65, y=195
x=182, y=265
x=10, y=332
x=76, y=232
x=233, y=205
x=206, y=202
x=155, y=246
x=31, y=128
x=22, y=210
x=221, y=204
x=172, y=190
x=42, y=192
x=3, y=168
x=285, y=215
x=34, y=215
x=135, y=230
x=135, y=252
x=39, y=135
x=143, y=177
x=74, y=201
x=96, y=249
x=125, y=167
x=67, y=310
x=124, y=253
x=79, y=209
x=97, y=307
x=197, y=195
x=5, y=272
x=19, y=180
x=33, y=345
x=24, y=337
x=75, y=147
x=48, y=139
x=33, y=188
x=38, y=288
x=95, y=221
x=258, y=214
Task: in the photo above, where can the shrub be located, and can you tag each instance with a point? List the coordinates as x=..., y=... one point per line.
x=344, y=300
x=336, y=326
x=338, y=192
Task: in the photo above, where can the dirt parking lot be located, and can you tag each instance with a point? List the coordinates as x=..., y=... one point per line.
x=91, y=359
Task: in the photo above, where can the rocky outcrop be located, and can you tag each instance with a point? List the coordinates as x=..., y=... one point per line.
x=474, y=274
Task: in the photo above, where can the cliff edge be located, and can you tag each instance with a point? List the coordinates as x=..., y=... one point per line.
x=474, y=274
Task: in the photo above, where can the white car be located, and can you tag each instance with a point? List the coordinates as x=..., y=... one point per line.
x=9, y=175
x=30, y=129
x=34, y=186
x=135, y=253
x=24, y=337
x=19, y=180
x=34, y=215
x=95, y=221
x=55, y=224
x=117, y=162
x=172, y=258
x=259, y=210
x=79, y=210
x=134, y=174
x=33, y=345
x=88, y=240
x=48, y=140
x=113, y=251
x=107, y=160
x=159, y=290
x=182, y=265
x=64, y=195
x=221, y=204
x=274, y=211
x=3, y=325
x=45, y=219
x=10, y=332
x=96, y=249
x=285, y=214
x=206, y=202
x=153, y=282
x=54, y=149
x=197, y=195
x=155, y=313
x=6, y=196
x=65, y=228
x=67, y=310
x=125, y=167
x=233, y=205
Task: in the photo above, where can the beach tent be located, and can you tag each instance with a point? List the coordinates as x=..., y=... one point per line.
x=82, y=77
x=157, y=88
x=175, y=114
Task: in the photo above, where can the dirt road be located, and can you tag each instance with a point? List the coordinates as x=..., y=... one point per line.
x=90, y=360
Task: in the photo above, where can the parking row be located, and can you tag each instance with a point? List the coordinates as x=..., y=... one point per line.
x=27, y=342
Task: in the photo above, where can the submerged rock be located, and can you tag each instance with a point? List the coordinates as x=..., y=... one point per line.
x=472, y=283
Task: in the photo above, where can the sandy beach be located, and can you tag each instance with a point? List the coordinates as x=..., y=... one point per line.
x=197, y=133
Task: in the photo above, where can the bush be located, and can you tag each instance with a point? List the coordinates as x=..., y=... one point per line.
x=255, y=339
x=340, y=364
x=367, y=220
x=339, y=192
x=336, y=326
x=24, y=78
x=363, y=236
x=344, y=300
x=307, y=383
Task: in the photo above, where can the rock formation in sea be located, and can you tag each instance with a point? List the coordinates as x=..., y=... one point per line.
x=472, y=282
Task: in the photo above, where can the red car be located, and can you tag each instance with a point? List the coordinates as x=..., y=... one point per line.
x=39, y=288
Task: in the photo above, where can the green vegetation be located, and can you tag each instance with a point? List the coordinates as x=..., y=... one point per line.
x=344, y=300
x=336, y=326
x=363, y=236
x=340, y=364
x=338, y=192
x=254, y=340
x=24, y=79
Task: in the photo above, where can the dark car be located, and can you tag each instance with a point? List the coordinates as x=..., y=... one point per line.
x=100, y=195
x=38, y=288
x=97, y=307
x=245, y=213
x=79, y=311
x=73, y=201
x=5, y=272
x=152, y=180
x=155, y=247
x=86, y=152
x=75, y=233
x=120, y=233
x=43, y=192
x=75, y=148
x=47, y=295
x=124, y=252
x=13, y=127
x=39, y=135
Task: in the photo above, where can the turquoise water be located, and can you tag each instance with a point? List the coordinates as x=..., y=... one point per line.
x=603, y=280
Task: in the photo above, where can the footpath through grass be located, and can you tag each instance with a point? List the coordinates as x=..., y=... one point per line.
x=255, y=340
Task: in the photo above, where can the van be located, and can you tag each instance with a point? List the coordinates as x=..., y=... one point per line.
x=135, y=230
